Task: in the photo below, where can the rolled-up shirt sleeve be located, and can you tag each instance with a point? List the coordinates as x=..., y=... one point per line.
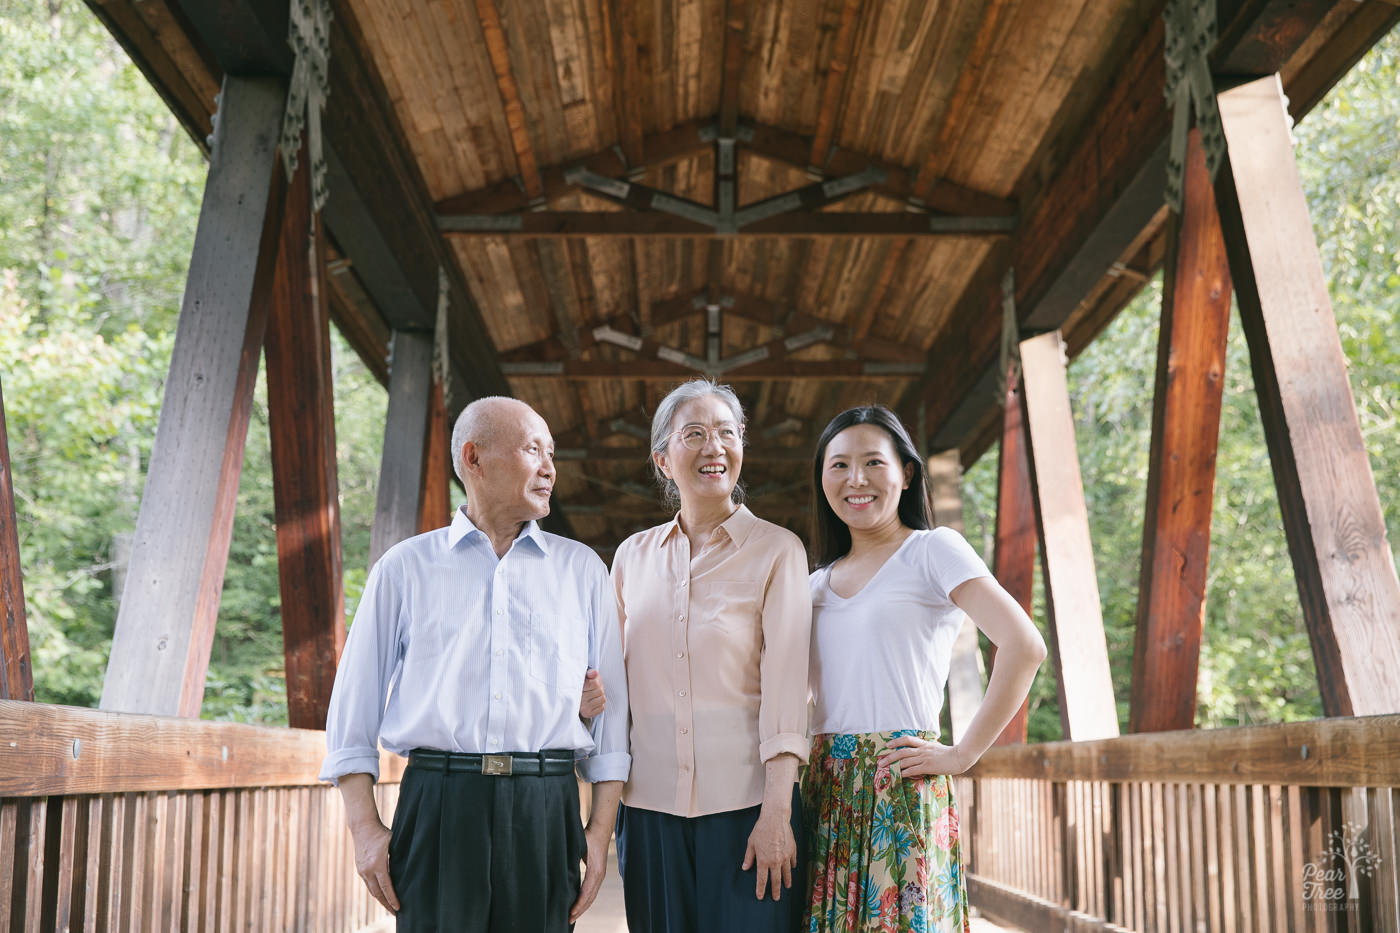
x=610, y=759
x=787, y=632
x=363, y=679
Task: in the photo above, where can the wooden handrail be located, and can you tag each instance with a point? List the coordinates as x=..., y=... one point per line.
x=48, y=750
x=1351, y=752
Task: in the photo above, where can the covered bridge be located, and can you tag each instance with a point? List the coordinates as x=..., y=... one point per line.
x=823, y=202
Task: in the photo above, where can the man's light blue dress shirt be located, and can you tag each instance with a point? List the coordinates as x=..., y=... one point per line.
x=482, y=655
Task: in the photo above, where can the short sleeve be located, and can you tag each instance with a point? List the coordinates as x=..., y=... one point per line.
x=950, y=561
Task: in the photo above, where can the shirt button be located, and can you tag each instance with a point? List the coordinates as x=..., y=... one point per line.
x=500, y=652
x=681, y=694
x=685, y=583
x=498, y=696
x=685, y=732
x=681, y=617
x=500, y=612
x=680, y=654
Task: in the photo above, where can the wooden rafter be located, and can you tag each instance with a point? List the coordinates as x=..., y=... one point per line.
x=734, y=20
x=663, y=371
x=622, y=52
x=835, y=84
x=654, y=224
x=499, y=50
x=640, y=453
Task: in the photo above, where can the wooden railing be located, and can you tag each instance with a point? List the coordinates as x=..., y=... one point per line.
x=1229, y=830
x=113, y=822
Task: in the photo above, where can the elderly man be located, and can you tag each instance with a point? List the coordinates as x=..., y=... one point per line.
x=480, y=635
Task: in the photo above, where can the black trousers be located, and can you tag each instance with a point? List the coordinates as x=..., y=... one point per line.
x=485, y=854
x=682, y=875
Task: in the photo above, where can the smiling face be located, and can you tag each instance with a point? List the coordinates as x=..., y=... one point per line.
x=862, y=477
x=709, y=473
x=514, y=469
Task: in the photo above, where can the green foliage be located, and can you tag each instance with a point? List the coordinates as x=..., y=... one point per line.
x=99, y=196
x=1256, y=662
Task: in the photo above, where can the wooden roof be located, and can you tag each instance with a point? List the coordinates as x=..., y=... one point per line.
x=976, y=135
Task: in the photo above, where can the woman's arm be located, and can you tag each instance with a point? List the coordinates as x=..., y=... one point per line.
x=1020, y=650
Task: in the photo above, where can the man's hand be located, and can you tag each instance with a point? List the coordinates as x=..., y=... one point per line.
x=772, y=847
x=372, y=861
x=595, y=867
x=594, y=700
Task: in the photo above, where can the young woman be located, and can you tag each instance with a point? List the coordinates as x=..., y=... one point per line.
x=716, y=621
x=888, y=597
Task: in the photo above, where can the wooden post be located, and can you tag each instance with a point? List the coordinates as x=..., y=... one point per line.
x=1087, y=707
x=1346, y=576
x=1014, y=560
x=165, y=624
x=16, y=675
x=965, y=668
x=963, y=690
x=435, y=498
x=301, y=422
x=1181, y=467
x=405, y=425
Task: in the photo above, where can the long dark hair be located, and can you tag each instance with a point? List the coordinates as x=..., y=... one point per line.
x=831, y=538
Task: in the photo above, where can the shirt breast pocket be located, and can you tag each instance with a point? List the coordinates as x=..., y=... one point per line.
x=735, y=608
x=558, y=652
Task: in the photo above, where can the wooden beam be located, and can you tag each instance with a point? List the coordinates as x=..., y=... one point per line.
x=662, y=371
x=963, y=101
x=641, y=454
x=965, y=666
x=124, y=753
x=16, y=672
x=405, y=439
x=499, y=51
x=1181, y=466
x=652, y=224
x=435, y=496
x=1346, y=575
x=1013, y=563
x=1087, y=708
x=165, y=623
x=301, y=422
x=834, y=83
x=1351, y=752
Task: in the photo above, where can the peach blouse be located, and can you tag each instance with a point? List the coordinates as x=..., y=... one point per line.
x=716, y=649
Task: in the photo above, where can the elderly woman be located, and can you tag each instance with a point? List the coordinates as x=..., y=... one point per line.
x=888, y=597
x=716, y=620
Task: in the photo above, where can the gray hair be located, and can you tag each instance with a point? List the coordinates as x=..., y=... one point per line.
x=661, y=429
x=478, y=423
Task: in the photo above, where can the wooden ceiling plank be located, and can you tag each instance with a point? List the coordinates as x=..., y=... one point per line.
x=734, y=21
x=894, y=258
x=960, y=103
x=661, y=371
x=834, y=84
x=490, y=17
x=627, y=82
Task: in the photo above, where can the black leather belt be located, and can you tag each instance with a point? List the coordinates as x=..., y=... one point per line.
x=550, y=762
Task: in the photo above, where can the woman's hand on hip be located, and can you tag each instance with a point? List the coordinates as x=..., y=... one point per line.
x=918, y=756
x=773, y=850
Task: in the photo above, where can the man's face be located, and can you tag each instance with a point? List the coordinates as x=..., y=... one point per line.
x=517, y=469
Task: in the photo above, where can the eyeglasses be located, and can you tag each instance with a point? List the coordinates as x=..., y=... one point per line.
x=694, y=436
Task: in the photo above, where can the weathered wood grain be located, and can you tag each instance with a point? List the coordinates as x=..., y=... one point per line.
x=1336, y=533
x=165, y=623
x=1087, y=707
x=1181, y=464
x=1013, y=562
x=16, y=674
x=405, y=434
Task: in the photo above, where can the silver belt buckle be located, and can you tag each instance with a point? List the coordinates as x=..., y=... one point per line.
x=497, y=765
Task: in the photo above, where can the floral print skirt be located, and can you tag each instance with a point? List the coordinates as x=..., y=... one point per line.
x=882, y=849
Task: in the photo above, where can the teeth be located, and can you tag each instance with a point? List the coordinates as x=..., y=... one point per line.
x=860, y=500
x=715, y=469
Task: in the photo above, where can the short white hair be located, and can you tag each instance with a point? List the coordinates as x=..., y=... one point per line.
x=661, y=428
x=479, y=423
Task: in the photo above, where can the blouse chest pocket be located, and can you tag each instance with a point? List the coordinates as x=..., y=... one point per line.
x=730, y=606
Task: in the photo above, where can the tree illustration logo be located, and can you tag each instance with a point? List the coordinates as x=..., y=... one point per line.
x=1352, y=858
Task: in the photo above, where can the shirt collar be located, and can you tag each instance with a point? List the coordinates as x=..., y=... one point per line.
x=737, y=526
x=463, y=527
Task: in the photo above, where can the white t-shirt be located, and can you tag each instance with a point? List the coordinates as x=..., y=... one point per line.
x=880, y=658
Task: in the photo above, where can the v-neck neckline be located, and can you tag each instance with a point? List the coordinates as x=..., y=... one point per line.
x=874, y=576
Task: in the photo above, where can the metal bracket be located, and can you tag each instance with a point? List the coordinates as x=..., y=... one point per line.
x=1190, y=35
x=309, y=35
